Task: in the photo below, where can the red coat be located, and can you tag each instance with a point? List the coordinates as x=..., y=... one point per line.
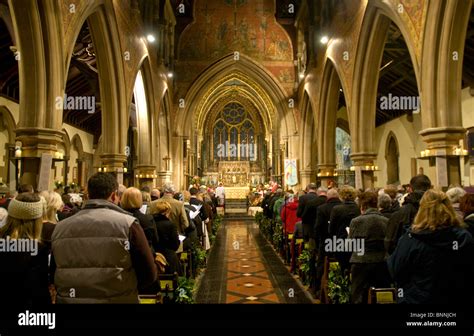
x=288, y=216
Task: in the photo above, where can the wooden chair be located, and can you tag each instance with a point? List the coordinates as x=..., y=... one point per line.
x=168, y=284
x=382, y=295
x=187, y=262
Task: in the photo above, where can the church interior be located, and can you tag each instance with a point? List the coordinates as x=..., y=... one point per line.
x=248, y=104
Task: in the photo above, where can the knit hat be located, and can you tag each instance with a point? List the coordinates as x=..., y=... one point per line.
x=26, y=210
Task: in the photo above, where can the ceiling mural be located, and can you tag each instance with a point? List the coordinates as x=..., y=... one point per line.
x=225, y=26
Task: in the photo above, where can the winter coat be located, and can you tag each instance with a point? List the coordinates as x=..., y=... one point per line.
x=309, y=213
x=277, y=206
x=148, y=226
x=168, y=243
x=469, y=221
x=103, y=254
x=402, y=219
x=321, y=226
x=24, y=278
x=340, y=218
x=371, y=226
x=288, y=216
x=434, y=267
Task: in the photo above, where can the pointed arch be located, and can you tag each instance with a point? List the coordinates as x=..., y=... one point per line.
x=391, y=156
x=327, y=119
x=9, y=121
x=370, y=49
x=276, y=105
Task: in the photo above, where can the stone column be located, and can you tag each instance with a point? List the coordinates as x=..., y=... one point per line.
x=114, y=163
x=441, y=142
x=326, y=173
x=306, y=177
x=364, y=170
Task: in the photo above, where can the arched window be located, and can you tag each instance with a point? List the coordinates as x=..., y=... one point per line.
x=234, y=135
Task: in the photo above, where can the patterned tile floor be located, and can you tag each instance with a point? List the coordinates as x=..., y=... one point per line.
x=247, y=278
x=243, y=267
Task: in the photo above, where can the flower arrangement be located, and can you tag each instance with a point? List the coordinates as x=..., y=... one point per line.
x=58, y=184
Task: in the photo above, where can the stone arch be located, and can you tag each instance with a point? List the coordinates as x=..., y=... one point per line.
x=76, y=141
x=258, y=75
x=67, y=143
x=145, y=150
x=327, y=119
x=308, y=138
x=6, y=17
x=9, y=123
x=375, y=25
x=76, y=23
x=391, y=156
x=445, y=34
x=114, y=99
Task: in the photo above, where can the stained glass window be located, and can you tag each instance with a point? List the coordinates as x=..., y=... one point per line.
x=234, y=135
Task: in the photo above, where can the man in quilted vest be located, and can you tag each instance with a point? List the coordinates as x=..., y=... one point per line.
x=101, y=253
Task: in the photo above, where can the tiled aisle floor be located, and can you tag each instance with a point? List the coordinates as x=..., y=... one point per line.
x=243, y=268
x=247, y=278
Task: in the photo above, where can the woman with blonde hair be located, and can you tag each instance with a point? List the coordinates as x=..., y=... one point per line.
x=54, y=203
x=433, y=262
x=132, y=201
x=24, y=274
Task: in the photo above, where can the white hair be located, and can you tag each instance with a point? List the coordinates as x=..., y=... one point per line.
x=455, y=194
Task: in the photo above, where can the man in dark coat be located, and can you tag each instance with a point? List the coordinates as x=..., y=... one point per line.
x=340, y=219
x=403, y=218
x=321, y=231
x=307, y=212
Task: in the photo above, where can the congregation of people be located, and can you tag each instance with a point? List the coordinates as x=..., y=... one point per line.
x=416, y=239
x=104, y=244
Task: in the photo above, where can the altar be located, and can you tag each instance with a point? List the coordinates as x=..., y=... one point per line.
x=236, y=192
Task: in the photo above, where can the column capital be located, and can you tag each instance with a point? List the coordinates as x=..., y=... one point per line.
x=35, y=140
x=442, y=137
x=363, y=158
x=113, y=161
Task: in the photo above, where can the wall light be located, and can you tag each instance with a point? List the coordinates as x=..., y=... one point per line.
x=170, y=75
x=150, y=38
x=324, y=39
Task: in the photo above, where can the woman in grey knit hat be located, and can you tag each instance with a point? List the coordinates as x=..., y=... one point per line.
x=24, y=271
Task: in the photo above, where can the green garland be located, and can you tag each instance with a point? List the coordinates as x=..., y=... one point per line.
x=304, y=260
x=184, y=293
x=339, y=290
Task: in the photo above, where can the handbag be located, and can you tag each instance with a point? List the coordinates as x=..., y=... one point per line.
x=161, y=262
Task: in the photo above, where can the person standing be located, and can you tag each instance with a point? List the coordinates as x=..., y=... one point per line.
x=220, y=194
x=401, y=220
x=178, y=214
x=24, y=275
x=369, y=268
x=132, y=201
x=101, y=253
x=433, y=263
